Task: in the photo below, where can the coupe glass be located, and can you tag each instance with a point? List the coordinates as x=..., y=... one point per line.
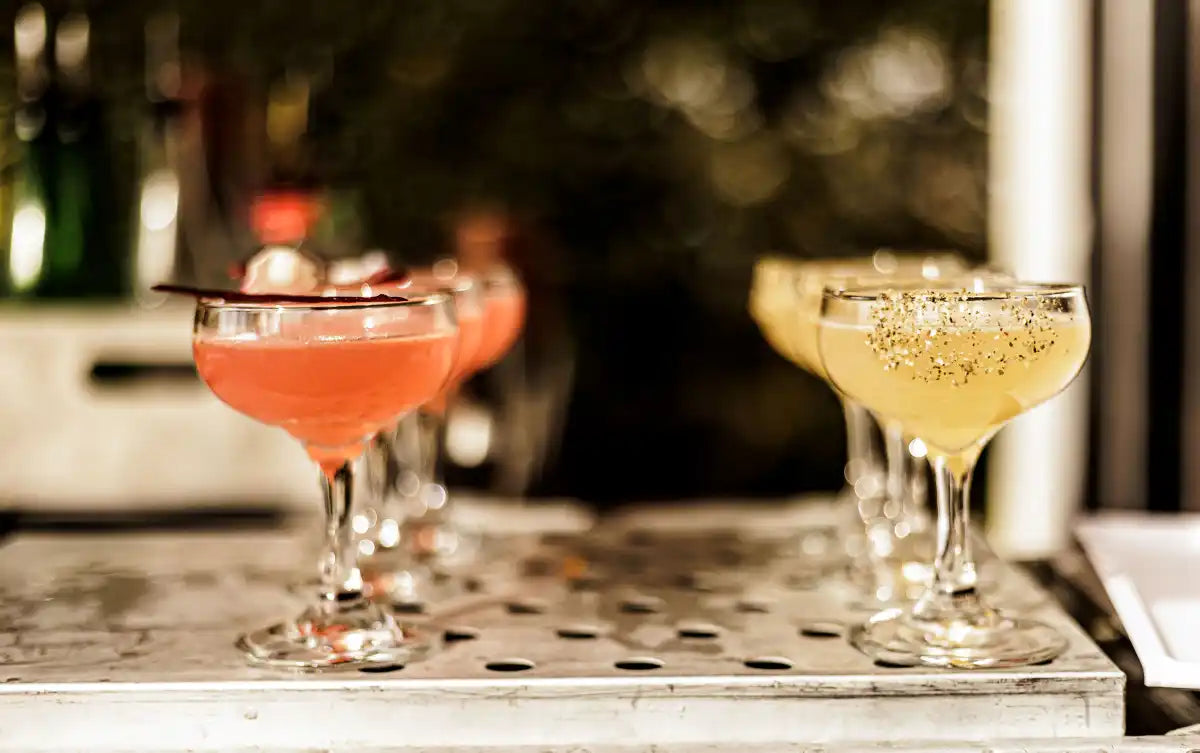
x=885, y=521
x=403, y=474
x=951, y=365
x=331, y=374
x=430, y=530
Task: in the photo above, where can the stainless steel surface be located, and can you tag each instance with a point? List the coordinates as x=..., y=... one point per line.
x=1154, y=744
x=688, y=628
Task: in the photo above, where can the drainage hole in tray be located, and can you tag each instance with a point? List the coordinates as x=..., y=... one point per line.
x=768, y=663
x=641, y=605
x=578, y=632
x=382, y=668
x=460, y=633
x=525, y=607
x=698, y=630
x=822, y=630
x=639, y=664
x=510, y=665
x=474, y=585
x=890, y=665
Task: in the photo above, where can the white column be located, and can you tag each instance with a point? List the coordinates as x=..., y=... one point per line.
x=1040, y=225
x=1126, y=157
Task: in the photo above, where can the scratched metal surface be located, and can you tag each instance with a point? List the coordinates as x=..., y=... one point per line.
x=686, y=626
x=1155, y=744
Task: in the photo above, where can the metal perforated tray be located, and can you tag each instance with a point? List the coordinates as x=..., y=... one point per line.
x=689, y=626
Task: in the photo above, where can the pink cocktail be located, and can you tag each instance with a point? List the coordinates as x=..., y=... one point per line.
x=329, y=394
x=430, y=532
x=470, y=337
x=332, y=375
x=504, y=315
x=469, y=309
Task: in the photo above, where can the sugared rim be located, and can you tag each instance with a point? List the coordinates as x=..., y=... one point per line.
x=1005, y=291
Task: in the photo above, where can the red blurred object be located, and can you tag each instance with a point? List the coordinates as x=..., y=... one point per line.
x=284, y=216
x=481, y=237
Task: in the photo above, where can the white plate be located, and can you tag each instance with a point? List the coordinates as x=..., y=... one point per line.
x=1150, y=566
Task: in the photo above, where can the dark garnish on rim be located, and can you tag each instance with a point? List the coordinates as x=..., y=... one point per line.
x=234, y=296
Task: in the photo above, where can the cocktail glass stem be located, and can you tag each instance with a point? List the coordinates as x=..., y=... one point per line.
x=381, y=479
x=862, y=458
x=411, y=533
x=898, y=487
x=434, y=538
x=392, y=481
x=341, y=625
x=341, y=580
x=864, y=478
x=954, y=586
x=431, y=434
x=951, y=625
x=413, y=491
x=893, y=565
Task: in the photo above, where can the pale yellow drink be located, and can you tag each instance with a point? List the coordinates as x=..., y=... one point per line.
x=949, y=372
x=775, y=306
x=785, y=295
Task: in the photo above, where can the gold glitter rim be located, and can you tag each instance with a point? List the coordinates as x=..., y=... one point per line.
x=1008, y=291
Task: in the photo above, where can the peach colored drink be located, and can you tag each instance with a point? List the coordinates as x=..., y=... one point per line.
x=330, y=394
x=470, y=326
x=503, y=317
x=470, y=337
x=470, y=330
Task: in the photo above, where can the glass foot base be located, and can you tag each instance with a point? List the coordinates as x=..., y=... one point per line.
x=355, y=635
x=872, y=586
x=986, y=641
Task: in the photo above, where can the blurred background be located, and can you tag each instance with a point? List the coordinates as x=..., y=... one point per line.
x=631, y=160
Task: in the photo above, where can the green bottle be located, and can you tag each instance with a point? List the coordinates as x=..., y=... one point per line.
x=84, y=232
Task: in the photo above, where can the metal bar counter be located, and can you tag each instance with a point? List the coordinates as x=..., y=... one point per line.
x=639, y=630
